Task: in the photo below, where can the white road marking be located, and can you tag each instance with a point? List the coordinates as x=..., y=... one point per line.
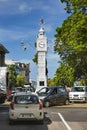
x=68, y=127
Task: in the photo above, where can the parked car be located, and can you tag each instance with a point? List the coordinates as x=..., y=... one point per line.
x=2, y=96
x=53, y=95
x=19, y=89
x=78, y=94
x=26, y=106
x=29, y=88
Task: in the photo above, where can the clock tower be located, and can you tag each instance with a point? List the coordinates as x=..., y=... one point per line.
x=41, y=44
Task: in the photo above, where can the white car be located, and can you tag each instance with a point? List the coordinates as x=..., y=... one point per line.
x=78, y=94
x=26, y=106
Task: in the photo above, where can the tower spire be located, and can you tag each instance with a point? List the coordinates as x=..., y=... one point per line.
x=41, y=31
x=41, y=22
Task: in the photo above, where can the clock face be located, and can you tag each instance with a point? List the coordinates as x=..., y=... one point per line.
x=41, y=44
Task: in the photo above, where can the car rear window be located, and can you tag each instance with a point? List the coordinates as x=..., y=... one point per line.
x=77, y=89
x=26, y=99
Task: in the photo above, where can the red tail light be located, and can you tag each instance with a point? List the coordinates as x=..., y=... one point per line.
x=12, y=105
x=40, y=105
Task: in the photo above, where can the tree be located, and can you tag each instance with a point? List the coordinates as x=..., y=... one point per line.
x=15, y=79
x=64, y=75
x=71, y=43
x=73, y=6
x=50, y=82
x=11, y=76
x=20, y=80
x=35, y=58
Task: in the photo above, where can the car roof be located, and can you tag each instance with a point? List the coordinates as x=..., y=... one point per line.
x=53, y=87
x=25, y=93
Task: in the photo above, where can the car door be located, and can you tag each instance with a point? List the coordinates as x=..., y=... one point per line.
x=61, y=95
x=53, y=96
x=86, y=93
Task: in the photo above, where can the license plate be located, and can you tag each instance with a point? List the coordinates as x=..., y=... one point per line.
x=75, y=97
x=23, y=115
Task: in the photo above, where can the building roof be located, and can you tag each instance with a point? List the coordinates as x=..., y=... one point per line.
x=3, y=49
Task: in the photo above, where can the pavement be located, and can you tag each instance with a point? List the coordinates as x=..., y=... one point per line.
x=74, y=105
x=71, y=105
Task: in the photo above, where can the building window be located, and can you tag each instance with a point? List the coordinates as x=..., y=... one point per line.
x=41, y=83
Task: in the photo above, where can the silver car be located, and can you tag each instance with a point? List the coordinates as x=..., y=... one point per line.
x=78, y=94
x=26, y=106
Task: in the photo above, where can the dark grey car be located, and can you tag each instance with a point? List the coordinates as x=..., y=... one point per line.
x=53, y=96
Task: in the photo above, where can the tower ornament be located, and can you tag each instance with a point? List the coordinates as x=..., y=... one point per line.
x=41, y=22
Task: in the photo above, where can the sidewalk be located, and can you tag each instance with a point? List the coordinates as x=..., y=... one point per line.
x=74, y=105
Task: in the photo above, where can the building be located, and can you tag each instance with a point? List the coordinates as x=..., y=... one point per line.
x=22, y=68
x=3, y=68
x=3, y=51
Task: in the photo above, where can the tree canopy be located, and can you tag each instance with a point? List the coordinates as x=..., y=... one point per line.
x=73, y=6
x=64, y=75
x=15, y=79
x=71, y=38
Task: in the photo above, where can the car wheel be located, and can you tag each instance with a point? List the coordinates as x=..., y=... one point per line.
x=11, y=122
x=47, y=104
x=66, y=102
x=41, y=121
x=2, y=100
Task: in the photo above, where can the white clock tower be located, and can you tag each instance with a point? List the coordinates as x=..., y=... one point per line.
x=42, y=62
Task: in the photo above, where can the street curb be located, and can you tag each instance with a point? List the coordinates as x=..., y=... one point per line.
x=73, y=105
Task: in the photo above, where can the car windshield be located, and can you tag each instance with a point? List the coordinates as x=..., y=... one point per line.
x=77, y=89
x=26, y=99
x=44, y=91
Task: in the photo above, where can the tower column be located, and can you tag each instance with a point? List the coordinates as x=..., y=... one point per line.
x=42, y=62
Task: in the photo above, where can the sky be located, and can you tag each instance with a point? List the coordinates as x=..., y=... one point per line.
x=20, y=21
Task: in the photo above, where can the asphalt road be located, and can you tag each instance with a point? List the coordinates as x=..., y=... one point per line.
x=56, y=118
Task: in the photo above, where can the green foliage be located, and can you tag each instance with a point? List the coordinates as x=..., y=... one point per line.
x=20, y=80
x=35, y=58
x=50, y=82
x=15, y=79
x=73, y=46
x=73, y=6
x=12, y=75
x=64, y=75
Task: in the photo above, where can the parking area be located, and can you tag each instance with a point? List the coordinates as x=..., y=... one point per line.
x=76, y=105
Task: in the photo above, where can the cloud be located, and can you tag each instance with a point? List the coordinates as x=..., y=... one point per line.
x=12, y=35
x=24, y=7
x=12, y=7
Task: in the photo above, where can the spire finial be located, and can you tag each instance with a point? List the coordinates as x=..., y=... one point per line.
x=41, y=22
